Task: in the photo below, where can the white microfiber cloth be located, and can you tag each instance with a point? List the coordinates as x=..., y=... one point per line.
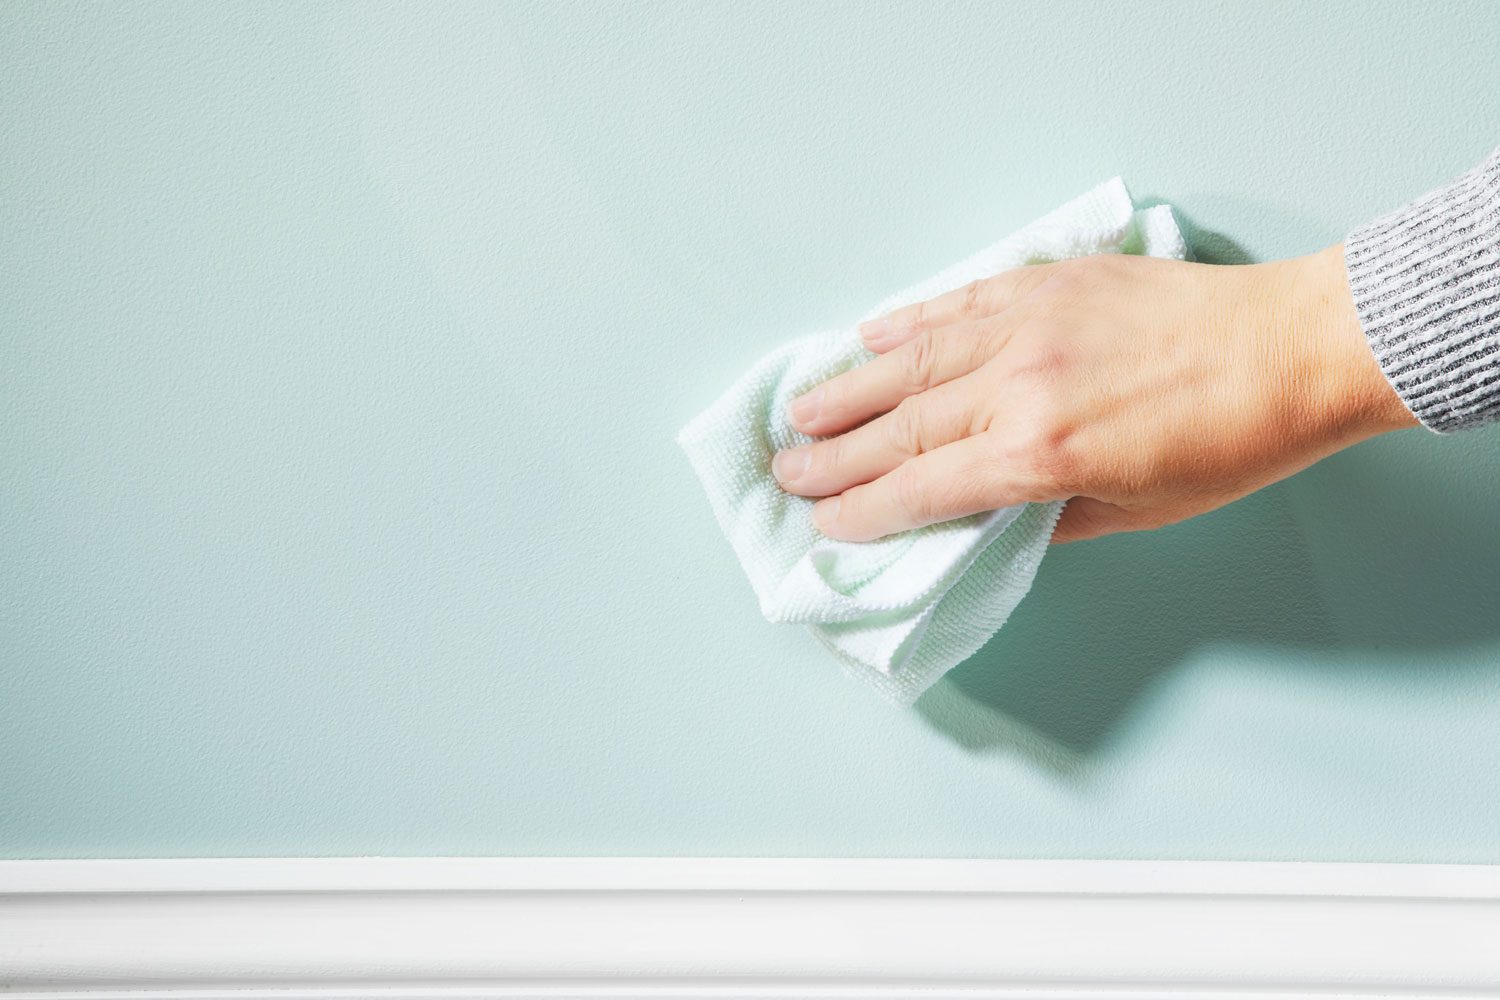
x=903, y=610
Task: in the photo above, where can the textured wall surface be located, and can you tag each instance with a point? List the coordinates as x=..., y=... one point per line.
x=342, y=353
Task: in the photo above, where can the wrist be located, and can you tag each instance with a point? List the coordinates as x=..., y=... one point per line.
x=1346, y=395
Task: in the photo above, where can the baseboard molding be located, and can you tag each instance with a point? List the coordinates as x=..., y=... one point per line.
x=471, y=928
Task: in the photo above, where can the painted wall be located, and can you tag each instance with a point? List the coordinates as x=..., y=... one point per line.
x=342, y=353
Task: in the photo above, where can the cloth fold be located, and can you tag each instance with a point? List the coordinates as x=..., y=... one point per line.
x=901, y=611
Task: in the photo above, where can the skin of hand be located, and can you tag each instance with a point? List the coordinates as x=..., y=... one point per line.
x=1142, y=391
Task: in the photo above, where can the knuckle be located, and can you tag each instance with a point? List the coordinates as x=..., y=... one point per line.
x=905, y=426
x=1064, y=285
x=924, y=500
x=1057, y=467
x=1041, y=376
x=971, y=488
x=1048, y=447
x=825, y=455
x=917, y=360
x=1097, y=277
x=1045, y=356
x=983, y=342
x=835, y=397
x=1077, y=272
x=972, y=298
x=910, y=494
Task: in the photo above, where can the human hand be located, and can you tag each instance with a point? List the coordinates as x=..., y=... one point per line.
x=1144, y=391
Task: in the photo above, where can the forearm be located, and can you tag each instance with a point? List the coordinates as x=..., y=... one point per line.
x=1425, y=280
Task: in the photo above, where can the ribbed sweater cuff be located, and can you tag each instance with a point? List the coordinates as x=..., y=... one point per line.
x=1426, y=283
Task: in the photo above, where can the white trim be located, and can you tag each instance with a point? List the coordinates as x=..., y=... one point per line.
x=471, y=928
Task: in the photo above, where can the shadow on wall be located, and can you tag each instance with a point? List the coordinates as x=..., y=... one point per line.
x=1392, y=546
x=1204, y=245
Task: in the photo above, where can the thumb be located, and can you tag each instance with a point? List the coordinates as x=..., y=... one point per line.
x=1084, y=518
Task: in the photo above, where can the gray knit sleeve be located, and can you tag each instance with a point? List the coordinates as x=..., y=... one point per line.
x=1426, y=283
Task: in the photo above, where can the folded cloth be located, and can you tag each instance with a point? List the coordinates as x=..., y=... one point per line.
x=901, y=611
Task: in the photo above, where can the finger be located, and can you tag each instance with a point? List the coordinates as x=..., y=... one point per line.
x=922, y=363
x=919, y=424
x=976, y=300
x=956, y=480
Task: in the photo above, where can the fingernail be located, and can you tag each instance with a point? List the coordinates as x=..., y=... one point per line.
x=876, y=331
x=825, y=512
x=790, y=464
x=805, y=408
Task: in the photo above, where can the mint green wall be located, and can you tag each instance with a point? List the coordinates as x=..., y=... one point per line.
x=342, y=353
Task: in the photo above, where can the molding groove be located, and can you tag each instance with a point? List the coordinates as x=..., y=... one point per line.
x=743, y=929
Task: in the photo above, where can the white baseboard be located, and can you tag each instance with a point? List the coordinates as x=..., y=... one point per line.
x=737, y=929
